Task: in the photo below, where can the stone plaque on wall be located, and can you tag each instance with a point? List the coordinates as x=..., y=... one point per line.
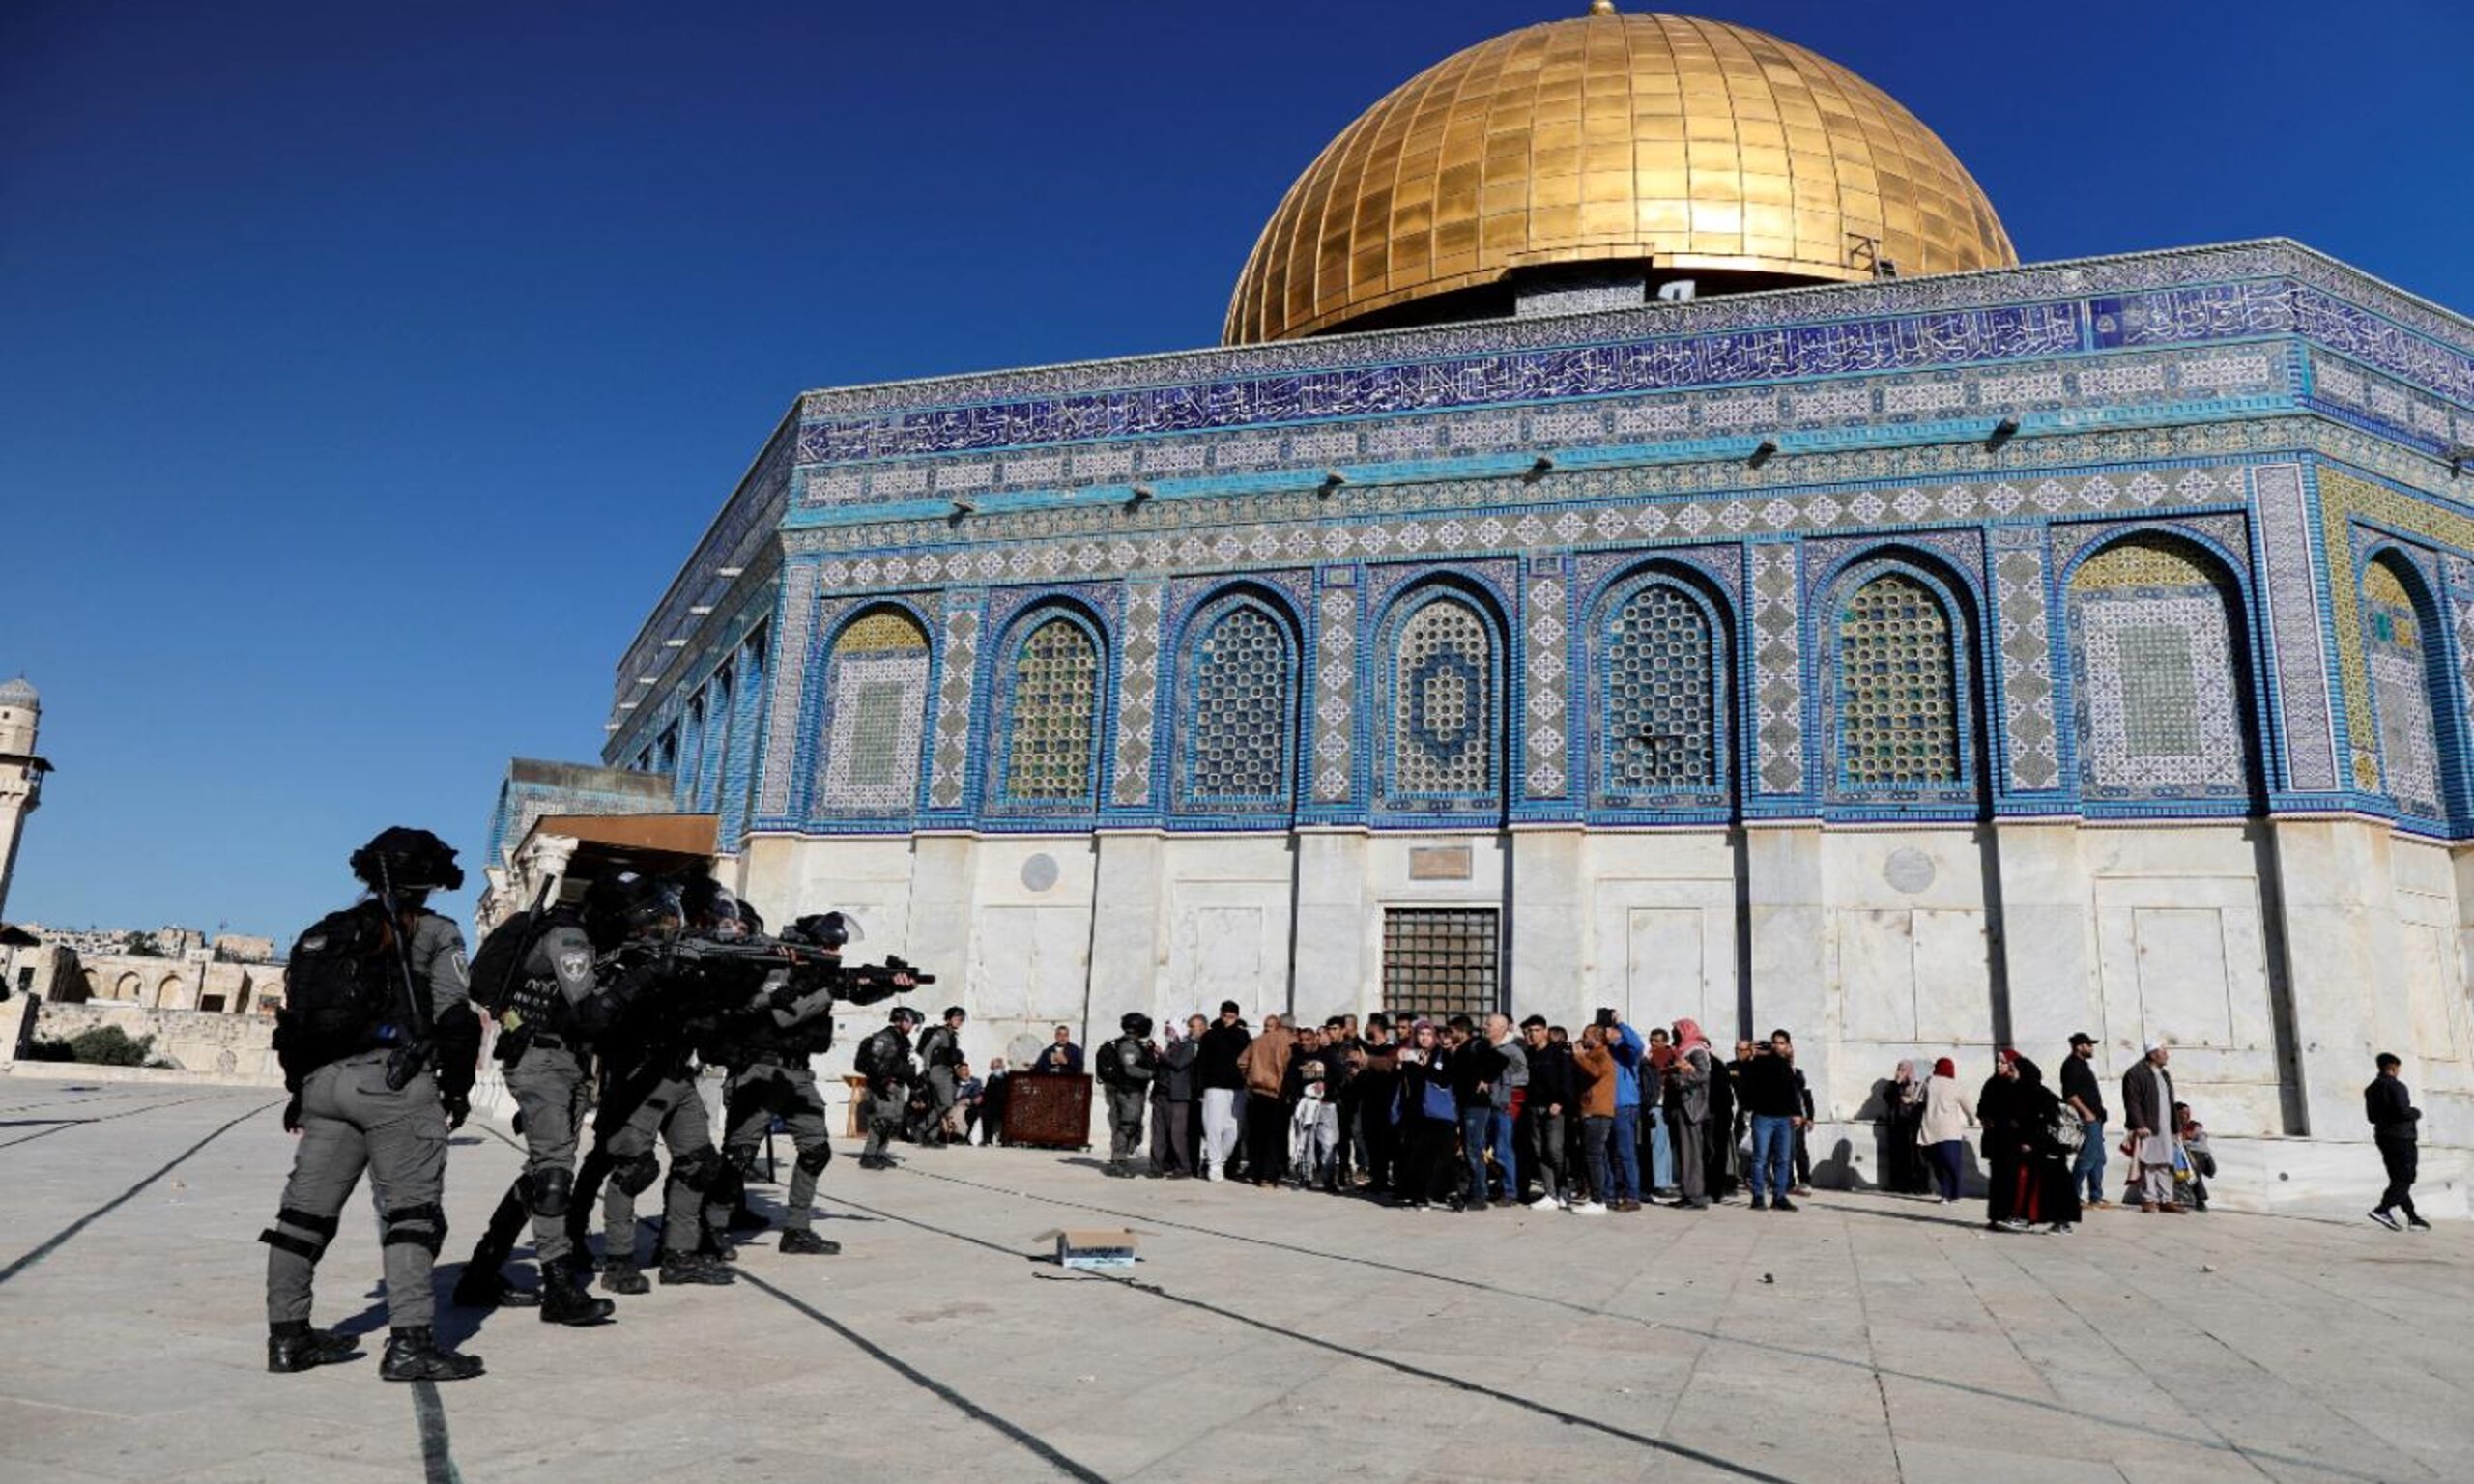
x=1439, y=863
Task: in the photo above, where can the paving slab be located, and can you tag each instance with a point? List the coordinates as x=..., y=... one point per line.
x=1266, y=1334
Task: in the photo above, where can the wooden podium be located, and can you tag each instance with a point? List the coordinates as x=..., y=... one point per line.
x=1048, y=1110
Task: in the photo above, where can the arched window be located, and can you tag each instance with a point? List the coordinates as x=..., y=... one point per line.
x=1445, y=741
x=1240, y=685
x=717, y=742
x=2398, y=654
x=1663, y=692
x=877, y=695
x=1052, y=727
x=1898, y=696
x=2158, y=706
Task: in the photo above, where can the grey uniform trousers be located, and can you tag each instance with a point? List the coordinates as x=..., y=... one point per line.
x=547, y=1084
x=887, y=1103
x=762, y=1092
x=674, y=1115
x=351, y=1122
x=1125, y=1123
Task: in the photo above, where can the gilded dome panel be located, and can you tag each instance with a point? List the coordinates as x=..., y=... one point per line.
x=1688, y=144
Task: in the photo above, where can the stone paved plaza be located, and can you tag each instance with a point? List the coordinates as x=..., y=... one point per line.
x=1267, y=1335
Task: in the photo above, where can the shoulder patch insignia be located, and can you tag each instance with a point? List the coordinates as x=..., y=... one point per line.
x=575, y=963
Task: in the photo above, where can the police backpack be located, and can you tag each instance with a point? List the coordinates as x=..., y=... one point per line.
x=498, y=968
x=343, y=986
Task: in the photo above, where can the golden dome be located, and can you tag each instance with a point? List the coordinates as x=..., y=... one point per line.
x=1681, y=144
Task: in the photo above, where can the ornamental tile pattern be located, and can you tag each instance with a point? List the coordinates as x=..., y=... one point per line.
x=1241, y=675
x=2026, y=658
x=2307, y=721
x=1898, y=702
x=790, y=679
x=949, y=769
x=1138, y=695
x=876, y=703
x=1663, y=700
x=1444, y=700
x=1548, y=725
x=1779, y=667
x=1336, y=708
x=1051, y=727
x=2400, y=691
x=2158, y=710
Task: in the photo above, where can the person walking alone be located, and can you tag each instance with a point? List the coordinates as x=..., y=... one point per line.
x=2390, y=1107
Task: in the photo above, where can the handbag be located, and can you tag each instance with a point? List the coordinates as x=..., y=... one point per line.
x=2070, y=1133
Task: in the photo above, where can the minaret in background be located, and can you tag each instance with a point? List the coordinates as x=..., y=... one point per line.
x=20, y=771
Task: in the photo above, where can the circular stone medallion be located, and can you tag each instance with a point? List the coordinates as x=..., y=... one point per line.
x=1039, y=872
x=1909, y=870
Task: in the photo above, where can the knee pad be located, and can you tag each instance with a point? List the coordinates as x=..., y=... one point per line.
x=699, y=1169
x=550, y=1189
x=635, y=1175
x=741, y=1158
x=814, y=1160
x=418, y=1226
x=319, y=1230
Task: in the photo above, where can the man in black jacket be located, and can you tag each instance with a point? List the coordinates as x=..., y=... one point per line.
x=1373, y=1086
x=2389, y=1105
x=1552, y=1104
x=1772, y=1097
x=1223, y=1088
x=1172, y=1101
x=1475, y=1065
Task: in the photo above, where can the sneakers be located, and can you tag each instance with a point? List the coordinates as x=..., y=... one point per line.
x=2417, y=1222
x=802, y=1242
x=299, y=1347
x=1589, y=1209
x=2383, y=1217
x=625, y=1277
x=2008, y=1224
x=689, y=1268
x=1782, y=1203
x=564, y=1300
x=1760, y=1203
x=2100, y=1204
x=1541, y=1203
x=415, y=1354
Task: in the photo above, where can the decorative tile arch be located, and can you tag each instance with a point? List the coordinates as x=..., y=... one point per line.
x=1898, y=685
x=1238, y=676
x=2157, y=673
x=1444, y=716
x=1661, y=693
x=1050, y=703
x=2405, y=652
x=876, y=705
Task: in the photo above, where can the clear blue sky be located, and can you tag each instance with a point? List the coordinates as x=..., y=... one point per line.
x=365, y=371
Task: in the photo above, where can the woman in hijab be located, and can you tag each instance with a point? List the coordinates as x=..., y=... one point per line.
x=1902, y=1109
x=1941, y=1129
x=2042, y=1191
x=1997, y=1109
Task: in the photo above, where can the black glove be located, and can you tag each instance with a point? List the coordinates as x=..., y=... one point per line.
x=458, y=1108
x=292, y=1114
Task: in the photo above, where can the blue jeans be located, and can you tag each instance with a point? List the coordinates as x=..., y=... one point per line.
x=2089, y=1167
x=1773, y=1149
x=1627, y=1150
x=1662, y=1152
x=1499, y=1133
x=1473, y=1146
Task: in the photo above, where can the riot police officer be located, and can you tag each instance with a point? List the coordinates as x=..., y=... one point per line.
x=536, y=976
x=771, y=1079
x=884, y=1060
x=1125, y=1068
x=376, y=995
x=940, y=1055
x=649, y=1092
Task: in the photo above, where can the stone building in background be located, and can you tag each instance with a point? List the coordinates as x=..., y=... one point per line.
x=22, y=772
x=1647, y=541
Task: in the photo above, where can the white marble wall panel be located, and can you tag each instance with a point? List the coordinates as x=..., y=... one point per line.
x=2182, y=959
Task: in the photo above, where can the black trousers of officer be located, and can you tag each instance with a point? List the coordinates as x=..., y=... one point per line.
x=351, y=1122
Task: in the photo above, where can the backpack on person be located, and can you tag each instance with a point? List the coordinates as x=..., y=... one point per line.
x=342, y=985
x=878, y=1057
x=498, y=968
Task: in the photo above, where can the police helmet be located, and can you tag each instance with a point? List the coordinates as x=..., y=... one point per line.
x=825, y=929
x=403, y=859
x=1134, y=1022
x=708, y=906
x=902, y=1014
x=628, y=905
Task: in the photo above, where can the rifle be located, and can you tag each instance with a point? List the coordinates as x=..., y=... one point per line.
x=866, y=984
x=413, y=1057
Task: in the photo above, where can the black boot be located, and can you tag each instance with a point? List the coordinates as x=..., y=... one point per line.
x=564, y=1300
x=295, y=1347
x=691, y=1267
x=743, y=1219
x=485, y=1287
x=621, y=1275
x=806, y=1241
x=415, y=1354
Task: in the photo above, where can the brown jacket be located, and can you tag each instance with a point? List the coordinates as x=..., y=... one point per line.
x=1265, y=1062
x=1596, y=1069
